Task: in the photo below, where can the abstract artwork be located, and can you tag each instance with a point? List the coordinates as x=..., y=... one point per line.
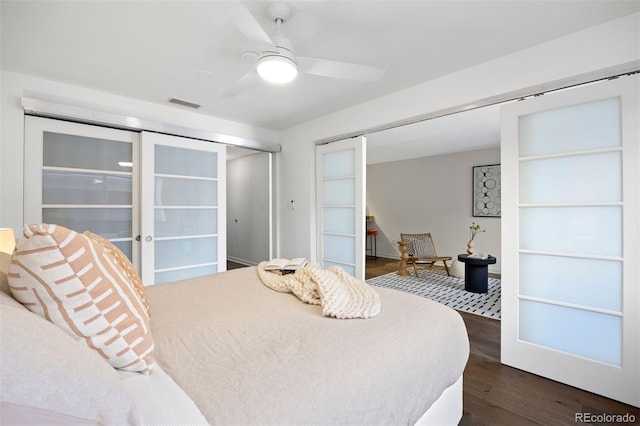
x=486, y=191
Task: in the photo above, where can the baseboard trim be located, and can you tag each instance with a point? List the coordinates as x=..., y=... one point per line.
x=394, y=256
x=241, y=261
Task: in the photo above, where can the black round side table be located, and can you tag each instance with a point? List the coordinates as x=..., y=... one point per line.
x=476, y=272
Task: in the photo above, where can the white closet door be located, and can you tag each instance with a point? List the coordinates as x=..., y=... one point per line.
x=81, y=177
x=183, y=206
x=340, y=187
x=570, y=237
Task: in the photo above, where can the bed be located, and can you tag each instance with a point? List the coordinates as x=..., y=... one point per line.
x=229, y=350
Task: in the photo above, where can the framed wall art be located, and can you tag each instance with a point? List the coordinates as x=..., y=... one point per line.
x=487, y=194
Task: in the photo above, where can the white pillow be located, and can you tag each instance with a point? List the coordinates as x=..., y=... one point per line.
x=47, y=377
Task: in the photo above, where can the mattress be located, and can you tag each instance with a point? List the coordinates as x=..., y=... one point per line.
x=246, y=354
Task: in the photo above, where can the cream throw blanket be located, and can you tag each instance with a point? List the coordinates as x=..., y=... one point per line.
x=339, y=294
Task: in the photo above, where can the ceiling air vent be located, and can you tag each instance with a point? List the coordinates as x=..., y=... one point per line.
x=184, y=103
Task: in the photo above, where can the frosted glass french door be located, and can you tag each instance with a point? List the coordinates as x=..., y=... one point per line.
x=82, y=177
x=183, y=201
x=570, y=237
x=160, y=199
x=340, y=189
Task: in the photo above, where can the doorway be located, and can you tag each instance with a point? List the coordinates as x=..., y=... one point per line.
x=249, y=207
x=408, y=184
x=419, y=179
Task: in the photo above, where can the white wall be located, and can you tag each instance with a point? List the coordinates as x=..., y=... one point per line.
x=248, y=209
x=16, y=86
x=612, y=44
x=431, y=194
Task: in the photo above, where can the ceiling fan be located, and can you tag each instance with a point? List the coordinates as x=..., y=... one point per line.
x=277, y=62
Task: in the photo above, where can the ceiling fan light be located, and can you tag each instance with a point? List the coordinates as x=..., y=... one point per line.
x=277, y=69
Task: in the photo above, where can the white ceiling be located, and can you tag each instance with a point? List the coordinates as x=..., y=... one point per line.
x=191, y=50
x=464, y=131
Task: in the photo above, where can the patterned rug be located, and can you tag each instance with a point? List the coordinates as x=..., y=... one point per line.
x=436, y=285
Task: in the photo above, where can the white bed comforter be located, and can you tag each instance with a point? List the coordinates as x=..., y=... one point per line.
x=248, y=355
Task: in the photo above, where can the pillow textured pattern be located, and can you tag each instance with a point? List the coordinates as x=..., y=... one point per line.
x=78, y=285
x=125, y=264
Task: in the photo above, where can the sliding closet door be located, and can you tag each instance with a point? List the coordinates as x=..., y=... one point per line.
x=82, y=177
x=571, y=196
x=183, y=198
x=340, y=189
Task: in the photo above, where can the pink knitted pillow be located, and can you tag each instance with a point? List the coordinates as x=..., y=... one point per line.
x=77, y=284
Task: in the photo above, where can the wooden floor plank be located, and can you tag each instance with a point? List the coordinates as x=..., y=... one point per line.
x=477, y=412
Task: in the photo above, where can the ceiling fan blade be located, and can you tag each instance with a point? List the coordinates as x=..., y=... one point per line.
x=240, y=84
x=246, y=22
x=342, y=70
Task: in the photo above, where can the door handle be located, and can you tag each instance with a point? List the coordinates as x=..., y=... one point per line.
x=137, y=237
x=148, y=238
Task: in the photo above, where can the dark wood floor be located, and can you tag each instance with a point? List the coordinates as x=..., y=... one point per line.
x=234, y=265
x=495, y=394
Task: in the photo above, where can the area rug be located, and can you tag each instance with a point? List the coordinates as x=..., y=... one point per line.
x=449, y=291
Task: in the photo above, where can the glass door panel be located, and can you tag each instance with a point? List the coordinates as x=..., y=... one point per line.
x=185, y=252
x=88, y=152
x=572, y=179
x=340, y=220
x=340, y=212
x=174, y=222
x=110, y=223
x=585, y=126
x=572, y=330
x=184, y=162
x=186, y=196
x=82, y=177
x=175, y=190
x=339, y=191
x=588, y=230
x=171, y=275
x=94, y=188
x=572, y=280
